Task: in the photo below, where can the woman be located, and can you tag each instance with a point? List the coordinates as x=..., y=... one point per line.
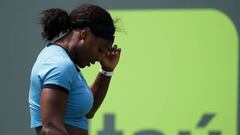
x=59, y=98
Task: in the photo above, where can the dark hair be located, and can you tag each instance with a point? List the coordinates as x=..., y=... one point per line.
x=55, y=20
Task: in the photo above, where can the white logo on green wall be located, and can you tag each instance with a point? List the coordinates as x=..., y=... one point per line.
x=109, y=127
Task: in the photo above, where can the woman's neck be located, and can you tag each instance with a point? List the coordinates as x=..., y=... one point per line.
x=65, y=42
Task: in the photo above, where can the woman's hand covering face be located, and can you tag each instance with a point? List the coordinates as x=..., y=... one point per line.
x=110, y=60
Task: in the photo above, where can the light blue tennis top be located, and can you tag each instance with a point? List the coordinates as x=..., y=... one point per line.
x=54, y=69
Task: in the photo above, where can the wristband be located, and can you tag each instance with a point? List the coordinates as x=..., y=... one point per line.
x=106, y=73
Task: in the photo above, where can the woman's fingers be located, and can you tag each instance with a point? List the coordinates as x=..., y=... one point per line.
x=114, y=46
x=114, y=50
x=118, y=51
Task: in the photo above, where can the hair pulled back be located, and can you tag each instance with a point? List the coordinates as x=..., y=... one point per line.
x=55, y=20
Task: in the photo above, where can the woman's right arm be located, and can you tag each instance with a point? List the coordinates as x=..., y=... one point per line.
x=53, y=104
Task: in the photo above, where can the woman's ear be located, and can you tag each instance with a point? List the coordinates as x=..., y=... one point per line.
x=85, y=33
x=76, y=36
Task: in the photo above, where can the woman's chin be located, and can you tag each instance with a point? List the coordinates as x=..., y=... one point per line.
x=82, y=66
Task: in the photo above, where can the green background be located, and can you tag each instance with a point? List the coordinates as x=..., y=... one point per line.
x=176, y=65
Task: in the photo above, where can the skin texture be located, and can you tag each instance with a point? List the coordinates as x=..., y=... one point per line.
x=84, y=48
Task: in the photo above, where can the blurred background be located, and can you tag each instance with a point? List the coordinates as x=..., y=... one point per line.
x=178, y=73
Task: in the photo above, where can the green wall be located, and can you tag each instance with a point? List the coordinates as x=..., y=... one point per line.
x=176, y=66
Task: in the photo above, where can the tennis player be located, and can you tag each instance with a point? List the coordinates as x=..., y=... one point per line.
x=60, y=99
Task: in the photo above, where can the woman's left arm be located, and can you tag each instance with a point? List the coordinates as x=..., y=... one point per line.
x=100, y=86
